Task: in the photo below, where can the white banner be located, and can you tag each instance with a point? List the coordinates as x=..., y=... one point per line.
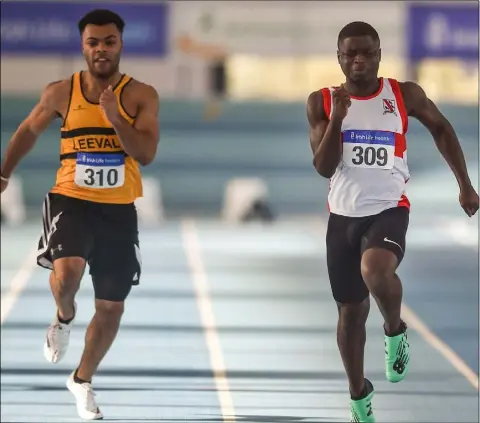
x=288, y=28
x=174, y=77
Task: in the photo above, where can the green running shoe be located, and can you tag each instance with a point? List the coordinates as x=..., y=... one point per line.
x=397, y=356
x=361, y=409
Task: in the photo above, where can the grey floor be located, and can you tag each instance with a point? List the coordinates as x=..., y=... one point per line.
x=238, y=324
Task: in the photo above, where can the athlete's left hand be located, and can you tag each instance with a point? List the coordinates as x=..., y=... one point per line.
x=469, y=200
x=109, y=104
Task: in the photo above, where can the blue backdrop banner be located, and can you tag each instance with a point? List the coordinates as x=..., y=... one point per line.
x=47, y=27
x=443, y=31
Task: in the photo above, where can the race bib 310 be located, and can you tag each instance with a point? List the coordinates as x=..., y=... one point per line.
x=100, y=171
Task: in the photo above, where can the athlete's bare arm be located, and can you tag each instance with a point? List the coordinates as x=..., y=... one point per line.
x=325, y=136
x=52, y=104
x=419, y=106
x=140, y=141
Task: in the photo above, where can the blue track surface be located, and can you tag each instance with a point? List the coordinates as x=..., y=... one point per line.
x=275, y=321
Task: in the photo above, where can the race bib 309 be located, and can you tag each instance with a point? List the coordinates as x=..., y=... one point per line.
x=369, y=149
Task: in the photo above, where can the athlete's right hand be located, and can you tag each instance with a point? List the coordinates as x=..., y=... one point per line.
x=340, y=102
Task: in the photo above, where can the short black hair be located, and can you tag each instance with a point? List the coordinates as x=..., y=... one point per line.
x=358, y=29
x=101, y=17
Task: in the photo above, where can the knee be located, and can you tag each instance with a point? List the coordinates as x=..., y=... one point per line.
x=109, y=309
x=375, y=274
x=111, y=289
x=377, y=269
x=353, y=315
x=67, y=274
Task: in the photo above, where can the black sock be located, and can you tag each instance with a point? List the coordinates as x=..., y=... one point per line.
x=400, y=330
x=362, y=395
x=76, y=379
x=366, y=390
x=65, y=322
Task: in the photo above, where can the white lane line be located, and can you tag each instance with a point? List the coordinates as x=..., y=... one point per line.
x=191, y=245
x=414, y=322
x=18, y=284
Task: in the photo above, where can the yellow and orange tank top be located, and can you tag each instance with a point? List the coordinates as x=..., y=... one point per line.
x=94, y=166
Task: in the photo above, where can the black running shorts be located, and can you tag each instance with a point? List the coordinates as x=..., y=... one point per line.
x=105, y=235
x=349, y=237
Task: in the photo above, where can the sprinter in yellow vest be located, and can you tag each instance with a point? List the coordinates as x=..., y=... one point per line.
x=110, y=126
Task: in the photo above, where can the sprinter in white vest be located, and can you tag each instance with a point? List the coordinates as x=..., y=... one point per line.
x=358, y=138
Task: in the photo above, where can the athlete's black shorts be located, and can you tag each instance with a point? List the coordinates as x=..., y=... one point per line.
x=105, y=235
x=349, y=237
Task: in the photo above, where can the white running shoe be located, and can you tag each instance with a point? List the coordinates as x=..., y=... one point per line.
x=87, y=408
x=58, y=337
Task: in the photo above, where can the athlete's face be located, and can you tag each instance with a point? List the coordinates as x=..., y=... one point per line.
x=102, y=48
x=359, y=58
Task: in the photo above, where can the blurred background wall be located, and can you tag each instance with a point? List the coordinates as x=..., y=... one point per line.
x=234, y=78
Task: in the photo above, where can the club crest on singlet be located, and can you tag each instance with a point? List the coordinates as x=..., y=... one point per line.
x=389, y=107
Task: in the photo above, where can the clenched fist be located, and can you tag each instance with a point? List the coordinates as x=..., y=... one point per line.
x=340, y=103
x=109, y=105
x=469, y=200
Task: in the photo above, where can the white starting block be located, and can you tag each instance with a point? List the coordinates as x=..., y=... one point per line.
x=12, y=203
x=240, y=196
x=150, y=206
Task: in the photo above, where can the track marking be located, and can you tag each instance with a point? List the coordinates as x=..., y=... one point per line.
x=18, y=284
x=461, y=232
x=191, y=245
x=429, y=336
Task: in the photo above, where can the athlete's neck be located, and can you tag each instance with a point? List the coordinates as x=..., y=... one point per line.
x=94, y=84
x=362, y=88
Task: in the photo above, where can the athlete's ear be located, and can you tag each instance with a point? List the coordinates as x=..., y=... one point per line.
x=82, y=45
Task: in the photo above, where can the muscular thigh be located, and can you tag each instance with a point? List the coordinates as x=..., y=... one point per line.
x=344, y=257
x=388, y=231
x=115, y=264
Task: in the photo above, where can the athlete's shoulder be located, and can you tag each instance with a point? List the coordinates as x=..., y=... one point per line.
x=405, y=86
x=59, y=85
x=411, y=91
x=316, y=110
x=319, y=95
x=57, y=92
x=59, y=88
x=410, y=86
x=140, y=90
x=314, y=97
x=414, y=97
